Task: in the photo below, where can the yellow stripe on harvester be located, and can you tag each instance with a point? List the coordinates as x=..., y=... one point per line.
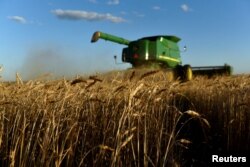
x=169, y=58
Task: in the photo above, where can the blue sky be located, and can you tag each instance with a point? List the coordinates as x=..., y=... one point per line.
x=53, y=36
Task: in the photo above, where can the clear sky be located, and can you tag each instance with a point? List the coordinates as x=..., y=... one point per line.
x=40, y=36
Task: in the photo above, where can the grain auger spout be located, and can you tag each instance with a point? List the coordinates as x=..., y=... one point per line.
x=97, y=35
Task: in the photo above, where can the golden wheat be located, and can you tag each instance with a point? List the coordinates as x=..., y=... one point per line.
x=122, y=119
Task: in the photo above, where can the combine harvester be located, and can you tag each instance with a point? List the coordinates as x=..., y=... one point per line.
x=160, y=52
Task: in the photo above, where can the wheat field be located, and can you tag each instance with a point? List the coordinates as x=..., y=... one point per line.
x=126, y=118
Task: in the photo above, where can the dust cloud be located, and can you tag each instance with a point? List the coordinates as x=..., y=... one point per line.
x=54, y=62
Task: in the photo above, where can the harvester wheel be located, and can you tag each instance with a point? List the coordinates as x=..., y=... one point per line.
x=187, y=73
x=179, y=72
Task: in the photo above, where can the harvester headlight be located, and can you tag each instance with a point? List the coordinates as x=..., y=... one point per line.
x=146, y=56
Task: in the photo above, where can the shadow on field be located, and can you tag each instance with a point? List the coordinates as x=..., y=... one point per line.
x=205, y=131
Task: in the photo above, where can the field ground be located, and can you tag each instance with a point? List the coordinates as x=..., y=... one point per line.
x=123, y=119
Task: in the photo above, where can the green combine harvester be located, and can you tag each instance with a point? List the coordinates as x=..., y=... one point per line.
x=160, y=52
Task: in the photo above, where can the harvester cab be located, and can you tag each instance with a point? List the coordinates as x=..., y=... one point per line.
x=160, y=51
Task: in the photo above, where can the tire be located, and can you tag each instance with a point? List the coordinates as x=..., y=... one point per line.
x=178, y=72
x=187, y=73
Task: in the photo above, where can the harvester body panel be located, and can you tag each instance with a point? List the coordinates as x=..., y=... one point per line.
x=138, y=53
x=168, y=52
x=155, y=51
